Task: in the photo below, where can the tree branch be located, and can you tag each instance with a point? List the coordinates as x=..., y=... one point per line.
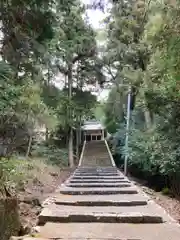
x=80, y=56
x=62, y=69
x=110, y=73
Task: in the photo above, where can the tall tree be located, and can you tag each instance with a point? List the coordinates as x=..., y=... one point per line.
x=25, y=27
x=26, y=30
x=127, y=56
x=147, y=58
x=75, y=45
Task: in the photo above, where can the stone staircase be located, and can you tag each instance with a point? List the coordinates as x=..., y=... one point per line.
x=96, y=154
x=99, y=202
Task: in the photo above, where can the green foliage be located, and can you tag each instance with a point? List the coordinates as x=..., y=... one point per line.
x=82, y=103
x=13, y=173
x=98, y=111
x=166, y=191
x=113, y=109
x=76, y=59
x=145, y=151
x=142, y=51
x=25, y=25
x=52, y=153
x=48, y=38
x=21, y=109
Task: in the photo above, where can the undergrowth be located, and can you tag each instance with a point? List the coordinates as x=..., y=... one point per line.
x=16, y=172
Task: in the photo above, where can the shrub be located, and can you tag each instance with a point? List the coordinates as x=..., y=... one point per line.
x=52, y=153
x=12, y=173
x=152, y=156
x=166, y=191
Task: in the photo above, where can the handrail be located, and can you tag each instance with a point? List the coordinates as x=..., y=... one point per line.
x=82, y=154
x=110, y=154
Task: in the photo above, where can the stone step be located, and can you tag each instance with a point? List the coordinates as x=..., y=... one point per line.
x=98, y=185
x=98, y=159
x=70, y=238
x=97, y=169
x=96, y=156
x=29, y=238
x=91, y=164
x=96, y=174
x=102, y=203
x=100, y=217
x=140, y=214
x=97, y=181
x=92, y=168
x=110, y=231
x=101, y=198
x=100, y=191
x=98, y=177
x=105, y=200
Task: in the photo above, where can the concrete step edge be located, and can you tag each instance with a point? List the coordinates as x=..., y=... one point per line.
x=97, y=191
x=97, y=181
x=99, y=185
x=102, y=203
x=98, y=217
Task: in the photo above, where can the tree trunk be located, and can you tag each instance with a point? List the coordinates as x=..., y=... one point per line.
x=47, y=134
x=147, y=115
x=29, y=146
x=70, y=148
x=77, y=144
x=10, y=224
x=78, y=140
x=148, y=120
x=70, y=143
x=78, y=117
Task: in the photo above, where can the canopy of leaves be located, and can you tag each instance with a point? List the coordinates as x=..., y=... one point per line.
x=40, y=41
x=142, y=51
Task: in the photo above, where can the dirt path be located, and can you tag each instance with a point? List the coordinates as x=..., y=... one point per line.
x=171, y=205
x=35, y=192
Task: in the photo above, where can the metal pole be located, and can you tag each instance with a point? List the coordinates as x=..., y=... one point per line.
x=127, y=131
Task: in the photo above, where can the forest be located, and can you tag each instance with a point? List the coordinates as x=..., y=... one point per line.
x=51, y=62
x=142, y=46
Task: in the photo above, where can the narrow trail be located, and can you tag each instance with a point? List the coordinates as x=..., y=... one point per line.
x=99, y=202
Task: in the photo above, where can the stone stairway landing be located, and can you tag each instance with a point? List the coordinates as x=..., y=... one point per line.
x=109, y=231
